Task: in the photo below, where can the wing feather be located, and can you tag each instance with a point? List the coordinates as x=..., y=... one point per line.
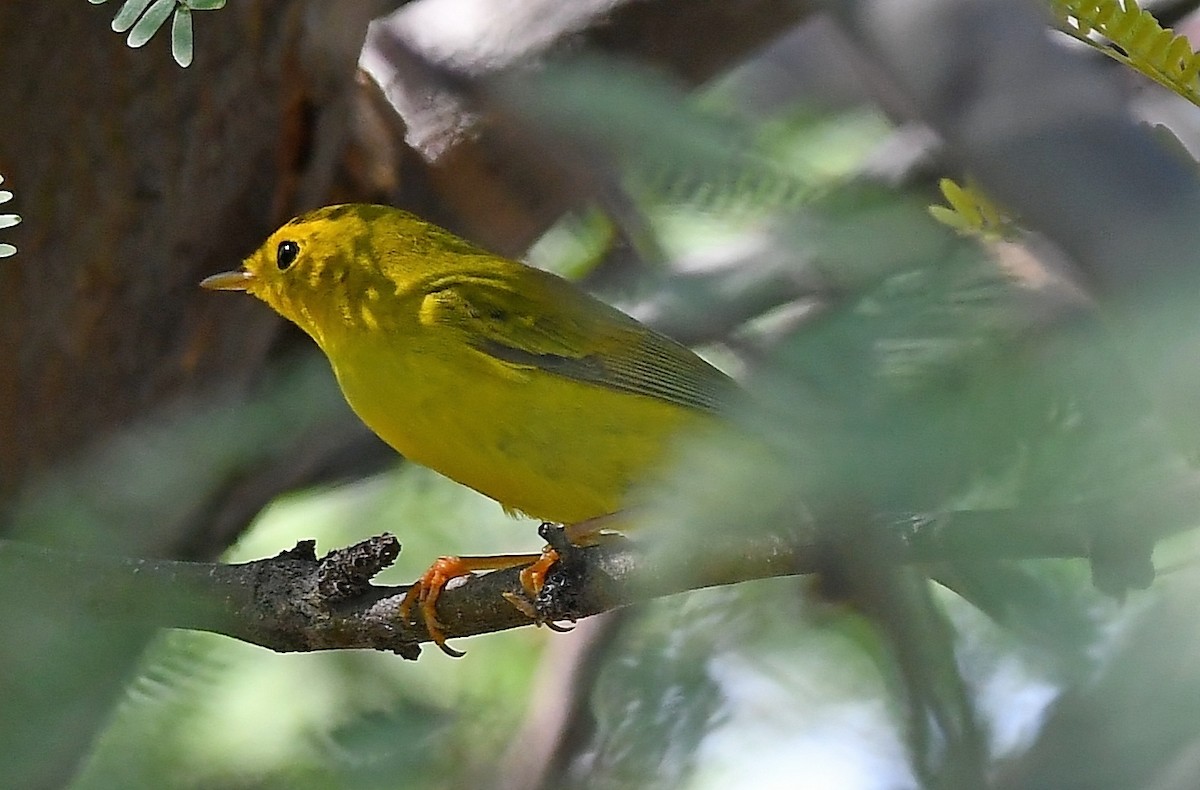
x=582, y=339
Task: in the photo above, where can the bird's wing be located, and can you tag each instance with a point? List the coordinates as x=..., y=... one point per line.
x=540, y=321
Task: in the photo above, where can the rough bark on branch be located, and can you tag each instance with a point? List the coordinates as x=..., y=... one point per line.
x=296, y=602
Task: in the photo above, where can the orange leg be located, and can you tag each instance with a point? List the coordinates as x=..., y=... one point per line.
x=581, y=533
x=425, y=591
x=533, y=577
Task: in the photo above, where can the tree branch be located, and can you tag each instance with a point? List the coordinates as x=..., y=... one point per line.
x=295, y=602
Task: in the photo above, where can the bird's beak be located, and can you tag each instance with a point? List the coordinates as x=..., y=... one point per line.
x=237, y=280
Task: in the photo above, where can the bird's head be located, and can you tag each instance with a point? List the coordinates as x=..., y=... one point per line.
x=340, y=265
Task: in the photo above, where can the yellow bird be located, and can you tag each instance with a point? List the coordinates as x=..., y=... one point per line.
x=501, y=376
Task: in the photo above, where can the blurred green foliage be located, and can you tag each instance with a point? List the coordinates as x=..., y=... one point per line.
x=910, y=383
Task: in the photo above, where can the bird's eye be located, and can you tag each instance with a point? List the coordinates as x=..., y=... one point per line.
x=286, y=254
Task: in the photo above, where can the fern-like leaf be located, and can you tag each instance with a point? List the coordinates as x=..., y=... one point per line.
x=144, y=18
x=1131, y=35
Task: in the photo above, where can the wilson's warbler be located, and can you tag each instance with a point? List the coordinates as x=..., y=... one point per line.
x=499, y=375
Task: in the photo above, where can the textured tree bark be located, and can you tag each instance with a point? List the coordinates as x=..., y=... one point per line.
x=135, y=178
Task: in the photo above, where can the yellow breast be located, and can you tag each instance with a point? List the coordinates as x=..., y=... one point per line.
x=550, y=447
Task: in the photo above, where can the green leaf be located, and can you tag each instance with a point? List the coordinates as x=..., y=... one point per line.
x=129, y=14
x=181, y=36
x=204, y=5
x=950, y=217
x=1131, y=35
x=149, y=24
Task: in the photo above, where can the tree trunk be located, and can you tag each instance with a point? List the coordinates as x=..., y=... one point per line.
x=136, y=178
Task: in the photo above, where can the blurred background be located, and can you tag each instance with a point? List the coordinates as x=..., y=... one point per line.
x=988, y=427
